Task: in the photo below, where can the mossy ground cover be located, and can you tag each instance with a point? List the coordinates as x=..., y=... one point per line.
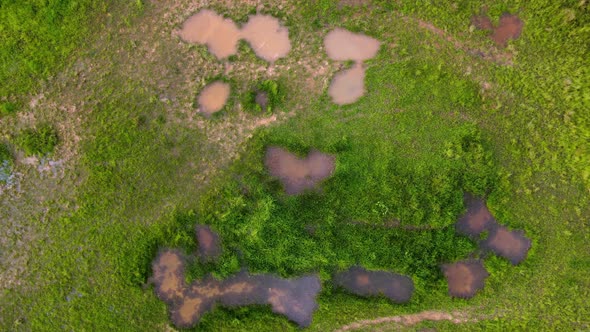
x=425, y=132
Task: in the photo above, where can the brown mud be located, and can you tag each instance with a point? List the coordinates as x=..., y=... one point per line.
x=298, y=175
x=408, y=320
x=213, y=97
x=206, y=27
x=209, y=243
x=294, y=298
x=512, y=245
x=266, y=36
x=465, y=278
x=509, y=27
x=343, y=45
x=348, y=86
x=359, y=281
x=477, y=218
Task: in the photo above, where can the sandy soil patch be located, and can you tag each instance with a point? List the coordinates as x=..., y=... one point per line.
x=465, y=278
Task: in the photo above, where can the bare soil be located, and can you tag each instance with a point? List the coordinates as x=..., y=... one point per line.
x=465, y=278
x=512, y=245
x=209, y=243
x=408, y=320
x=213, y=97
x=362, y=282
x=477, y=218
x=294, y=298
x=298, y=175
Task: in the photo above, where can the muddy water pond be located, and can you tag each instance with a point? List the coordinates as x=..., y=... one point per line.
x=509, y=27
x=465, y=278
x=209, y=243
x=477, y=218
x=213, y=97
x=266, y=36
x=512, y=245
x=343, y=45
x=206, y=27
x=294, y=298
x=362, y=282
x=348, y=86
x=298, y=175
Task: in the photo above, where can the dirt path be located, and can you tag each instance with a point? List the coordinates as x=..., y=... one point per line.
x=456, y=317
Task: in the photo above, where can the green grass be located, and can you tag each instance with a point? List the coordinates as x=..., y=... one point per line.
x=39, y=141
x=424, y=133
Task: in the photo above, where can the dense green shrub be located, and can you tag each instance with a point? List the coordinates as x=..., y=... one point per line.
x=265, y=97
x=40, y=141
x=7, y=108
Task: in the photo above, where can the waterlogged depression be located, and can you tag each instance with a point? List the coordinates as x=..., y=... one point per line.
x=213, y=97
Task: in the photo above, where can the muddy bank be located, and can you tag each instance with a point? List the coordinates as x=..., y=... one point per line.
x=512, y=245
x=465, y=278
x=343, y=45
x=359, y=281
x=269, y=40
x=348, y=86
x=209, y=243
x=213, y=97
x=294, y=298
x=298, y=175
x=509, y=27
x=477, y=218
x=267, y=37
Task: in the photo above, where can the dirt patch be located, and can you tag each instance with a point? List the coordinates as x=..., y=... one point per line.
x=348, y=86
x=269, y=40
x=293, y=298
x=465, y=278
x=343, y=45
x=509, y=27
x=359, y=281
x=206, y=27
x=477, y=218
x=298, y=175
x=213, y=97
x=209, y=243
x=408, y=320
x=512, y=245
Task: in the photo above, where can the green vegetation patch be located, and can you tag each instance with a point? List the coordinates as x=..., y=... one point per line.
x=40, y=141
x=265, y=97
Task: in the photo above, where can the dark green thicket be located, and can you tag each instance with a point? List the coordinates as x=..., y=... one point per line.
x=265, y=97
x=39, y=141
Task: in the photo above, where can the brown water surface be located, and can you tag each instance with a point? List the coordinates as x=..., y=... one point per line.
x=298, y=175
x=348, y=86
x=465, y=278
x=267, y=37
x=168, y=275
x=209, y=243
x=512, y=245
x=343, y=45
x=362, y=282
x=213, y=97
x=477, y=218
x=510, y=27
x=206, y=27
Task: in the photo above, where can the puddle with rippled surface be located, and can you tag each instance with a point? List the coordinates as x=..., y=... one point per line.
x=359, y=281
x=297, y=174
x=465, y=278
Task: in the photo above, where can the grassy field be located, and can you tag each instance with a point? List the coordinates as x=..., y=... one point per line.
x=135, y=167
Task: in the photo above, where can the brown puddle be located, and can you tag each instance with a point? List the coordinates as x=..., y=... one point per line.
x=213, y=97
x=465, y=278
x=477, y=218
x=296, y=174
x=206, y=27
x=512, y=245
x=294, y=298
x=359, y=281
x=348, y=86
x=343, y=45
x=209, y=243
x=269, y=40
x=509, y=27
